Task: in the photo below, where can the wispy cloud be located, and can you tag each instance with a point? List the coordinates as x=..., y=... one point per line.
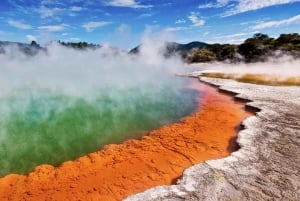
x=218, y=4
x=269, y=24
x=249, y=5
x=76, y=8
x=205, y=33
x=74, y=39
x=236, y=35
x=194, y=18
x=51, y=2
x=125, y=3
x=19, y=24
x=235, y=38
x=180, y=21
x=49, y=12
x=145, y=15
x=123, y=28
x=241, y=6
x=173, y=29
x=53, y=28
x=91, y=26
x=31, y=38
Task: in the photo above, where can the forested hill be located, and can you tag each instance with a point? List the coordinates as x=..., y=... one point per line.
x=29, y=49
x=33, y=48
x=258, y=48
x=173, y=47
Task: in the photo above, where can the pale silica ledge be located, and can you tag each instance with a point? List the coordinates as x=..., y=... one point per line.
x=267, y=165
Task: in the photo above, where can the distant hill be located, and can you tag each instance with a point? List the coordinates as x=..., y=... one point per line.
x=173, y=47
x=188, y=46
x=80, y=45
x=6, y=43
x=30, y=49
x=258, y=48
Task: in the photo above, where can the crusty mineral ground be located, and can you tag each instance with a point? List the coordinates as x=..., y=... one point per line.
x=117, y=171
x=266, y=167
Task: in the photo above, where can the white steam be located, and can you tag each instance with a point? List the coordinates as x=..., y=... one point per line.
x=63, y=103
x=283, y=66
x=78, y=73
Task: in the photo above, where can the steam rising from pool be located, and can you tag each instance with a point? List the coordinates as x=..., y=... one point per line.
x=63, y=103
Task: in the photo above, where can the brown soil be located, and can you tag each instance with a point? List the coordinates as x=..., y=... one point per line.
x=117, y=171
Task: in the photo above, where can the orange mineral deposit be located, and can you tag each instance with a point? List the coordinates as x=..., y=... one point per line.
x=159, y=158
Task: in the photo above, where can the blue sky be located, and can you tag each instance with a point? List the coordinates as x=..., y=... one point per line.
x=123, y=23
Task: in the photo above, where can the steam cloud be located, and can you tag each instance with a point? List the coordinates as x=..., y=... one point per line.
x=62, y=103
x=79, y=72
x=283, y=66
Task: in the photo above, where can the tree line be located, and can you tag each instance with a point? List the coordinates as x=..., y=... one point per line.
x=79, y=45
x=257, y=48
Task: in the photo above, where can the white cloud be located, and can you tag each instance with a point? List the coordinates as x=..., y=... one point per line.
x=53, y=28
x=249, y=5
x=126, y=3
x=145, y=15
x=193, y=17
x=236, y=38
x=236, y=41
x=206, y=33
x=180, y=21
x=208, y=5
x=236, y=35
x=269, y=24
x=49, y=2
x=123, y=33
x=31, y=38
x=225, y=40
x=49, y=12
x=241, y=6
x=123, y=28
x=76, y=9
x=218, y=4
x=77, y=1
x=19, y=24
x=91, y=26
x=197, y=22
x=74, y=39
x=171, y=29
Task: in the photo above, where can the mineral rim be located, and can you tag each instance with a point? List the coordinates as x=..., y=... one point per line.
x=267, y=165
x=117, y=171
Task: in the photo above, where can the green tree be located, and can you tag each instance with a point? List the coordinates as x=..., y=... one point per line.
x=202, y=55
x=256, y=48
x=34, y=44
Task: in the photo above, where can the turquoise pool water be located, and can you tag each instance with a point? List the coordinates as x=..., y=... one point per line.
x=39, y=125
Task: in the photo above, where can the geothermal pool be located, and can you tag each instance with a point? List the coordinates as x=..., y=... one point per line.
x=41, y=126
x=63, y=103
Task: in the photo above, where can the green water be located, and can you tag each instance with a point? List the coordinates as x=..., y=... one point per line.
x=42, y=126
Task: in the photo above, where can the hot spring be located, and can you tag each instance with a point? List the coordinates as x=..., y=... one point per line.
x=63, y=103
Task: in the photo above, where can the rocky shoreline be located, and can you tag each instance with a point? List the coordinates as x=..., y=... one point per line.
x=267, y=165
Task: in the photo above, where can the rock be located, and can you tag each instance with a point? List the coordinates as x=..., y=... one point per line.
x=267, y=165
